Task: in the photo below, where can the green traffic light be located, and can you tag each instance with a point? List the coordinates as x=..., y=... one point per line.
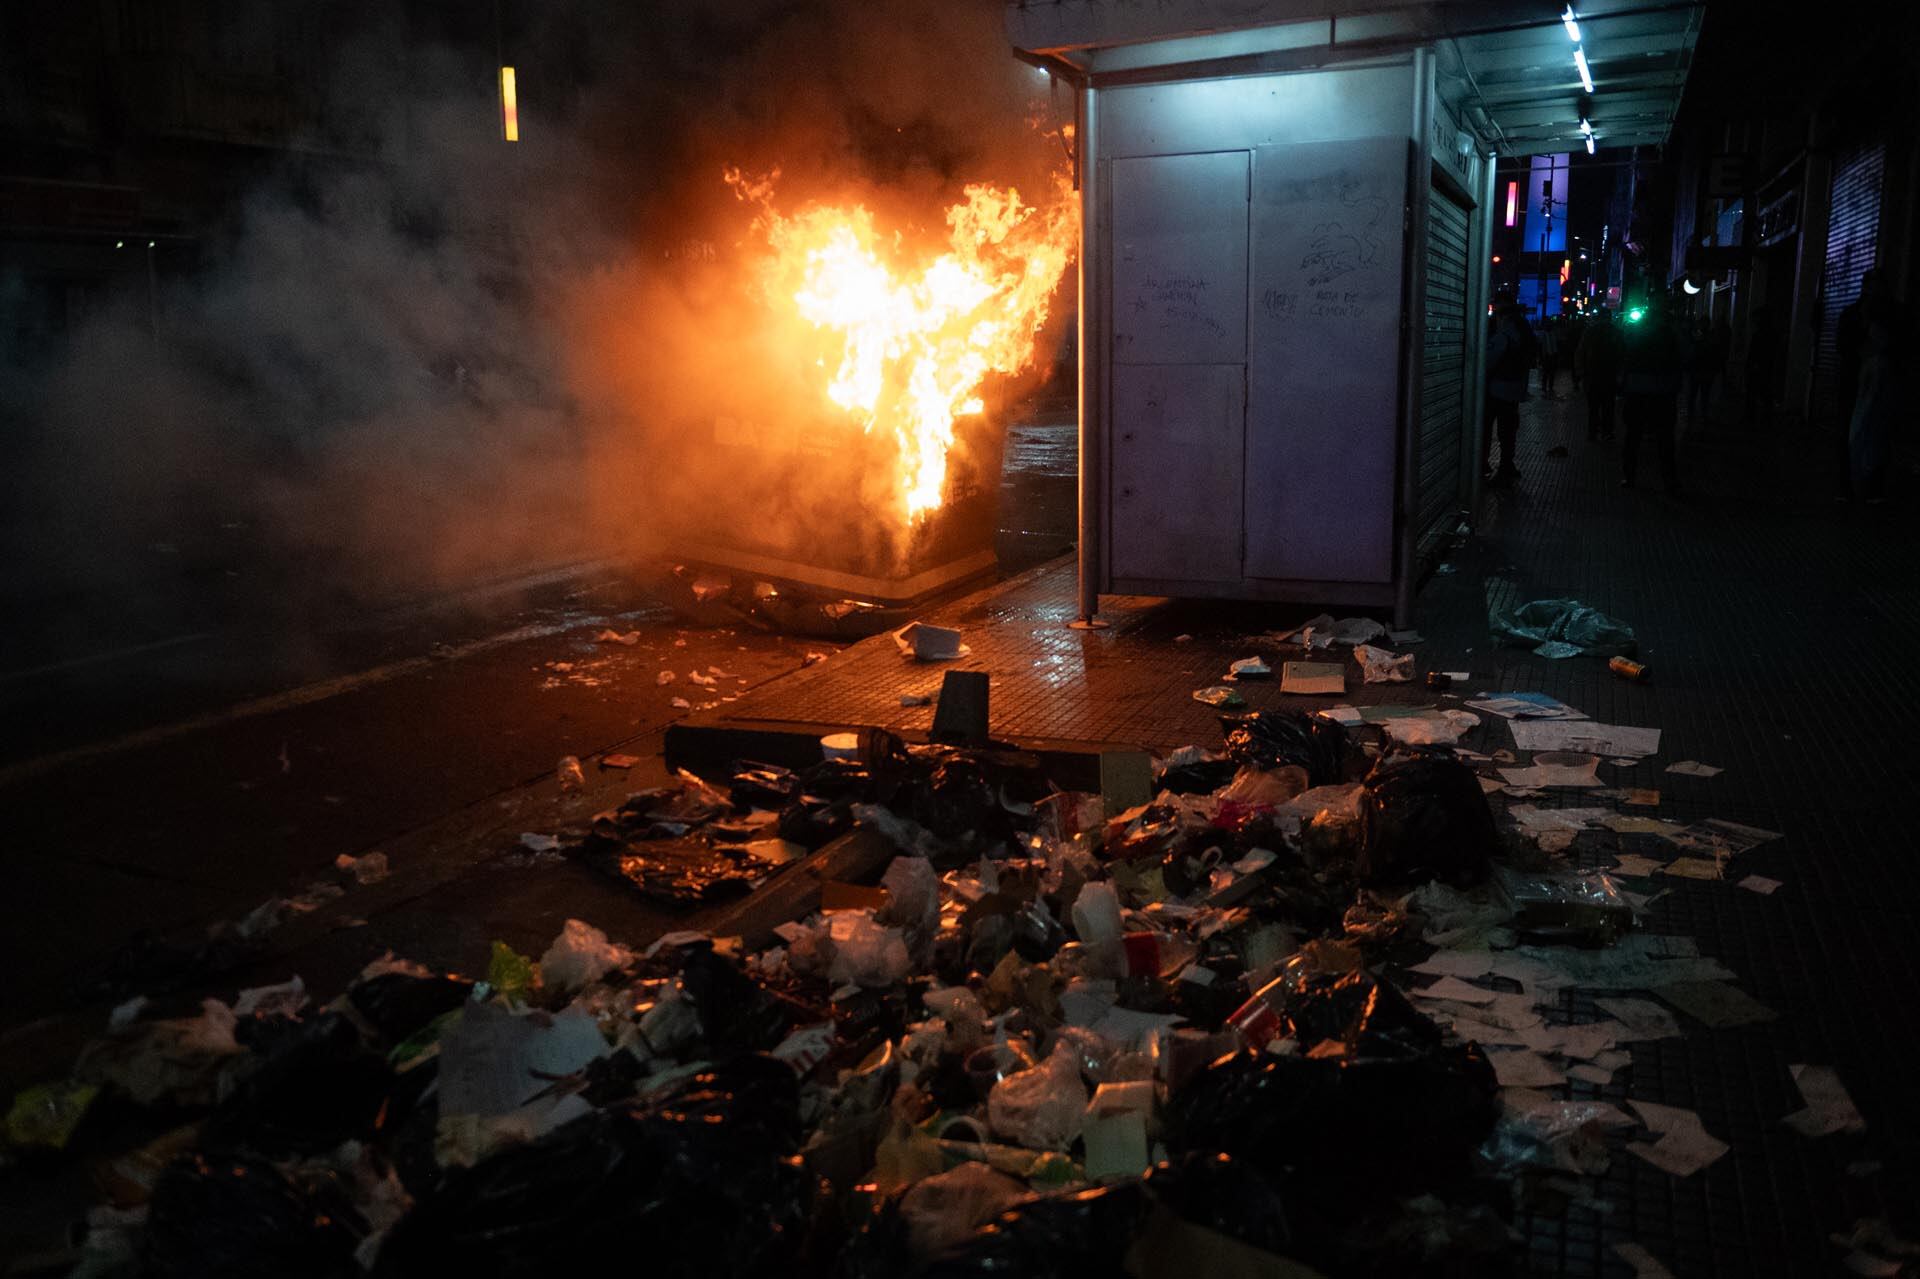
x=1637, y=314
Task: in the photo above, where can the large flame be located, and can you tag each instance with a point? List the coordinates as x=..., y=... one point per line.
x=911, y=335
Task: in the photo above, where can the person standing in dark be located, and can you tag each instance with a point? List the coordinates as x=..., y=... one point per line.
x=1880, y=401
x=1548, y=346
x=1597, y=360
x=1763, y=367
x=1653, y=362
x=1510, y=356
x=1850, y=339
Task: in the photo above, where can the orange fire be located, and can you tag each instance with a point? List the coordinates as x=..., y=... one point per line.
x=911, y=335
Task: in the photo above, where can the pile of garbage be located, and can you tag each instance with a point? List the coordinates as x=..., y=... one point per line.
x=1050, y=1039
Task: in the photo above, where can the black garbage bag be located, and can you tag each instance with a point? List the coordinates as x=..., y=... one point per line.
x=838, y=779
x=812, y=821
x=236, y=1217
x=1084, y=1235
x=1269, y=739
x=398, y=1004
x=1425, y=817
x=1394, y=1109
x=737, y=1014
x=763, y=785
x=321, y=1086
x=1229, y=1195
x=959, y=799
x=700, y=1181
x=1201, y=777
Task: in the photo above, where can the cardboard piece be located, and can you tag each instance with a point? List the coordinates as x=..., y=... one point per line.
x=1313, y=678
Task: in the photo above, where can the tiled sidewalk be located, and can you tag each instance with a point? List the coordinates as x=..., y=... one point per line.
x=1779, y=626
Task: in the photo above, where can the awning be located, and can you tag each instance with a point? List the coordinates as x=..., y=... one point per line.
x=1507, y=65
x=1522, y=88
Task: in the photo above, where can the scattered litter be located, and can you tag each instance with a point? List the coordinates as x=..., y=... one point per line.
x=1721, y=839
x=1716, y=1004
x=702, y=679
x=1685, y=1146
x=1313, y=677
x=619, y=761
x=812, y=658
x=1569, y=622
x=1443, y=728
x=1877, y=1252
x=611, y=636
x=926, y=643
x=1218, y=695
x=1692, y=868
x=1583, y=735
x=664, y=678
x=1552, y=770
x=1525, y=706
x=1378, y=666
x=1640, y=1019
x=1693, y=768
x=369, y=869
x=1829, y=1109
x=1645, y=1264
x=569, y=774
x=1183, y=639
x=916, y=699
x=1558, y=650
x=580, y=956
x=537, y=843
x=283, y=1000
x=682, y=704
x=1639, y=866
x=1760, y=884
x=1250, y=668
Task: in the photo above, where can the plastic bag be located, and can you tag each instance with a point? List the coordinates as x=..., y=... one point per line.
x=945, y=1210
x=1425, y=818
x=1267, y=739
x=1192, y=770
x=1564, y=622
x=1042, y=1108
x=866, y=952
x=580, y=956
x=1378, y=666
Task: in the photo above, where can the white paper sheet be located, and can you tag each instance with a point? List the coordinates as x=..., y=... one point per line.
x=1583, y=735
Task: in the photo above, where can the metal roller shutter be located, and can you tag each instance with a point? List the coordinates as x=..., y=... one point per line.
x=1443, y=388
x=1853, y=239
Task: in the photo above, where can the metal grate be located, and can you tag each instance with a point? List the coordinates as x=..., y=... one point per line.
x=1853, y=239
x=1443, y=371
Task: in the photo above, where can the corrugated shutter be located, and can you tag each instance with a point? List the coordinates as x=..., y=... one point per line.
x=1853, y=241
x=1443, y=387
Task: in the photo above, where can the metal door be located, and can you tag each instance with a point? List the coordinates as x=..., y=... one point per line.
x=1177, y=422
x=1323, y=397
x=1443, y=397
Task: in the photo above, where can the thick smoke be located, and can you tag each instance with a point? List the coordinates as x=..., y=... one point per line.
x=465, y=358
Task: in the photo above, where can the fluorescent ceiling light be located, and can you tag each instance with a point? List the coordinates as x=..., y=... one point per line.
x=1571, y=22
x=1580, y=61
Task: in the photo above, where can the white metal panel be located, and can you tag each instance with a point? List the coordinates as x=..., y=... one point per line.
x=1323, y=359
x=1252, y=111
x=1177, y=437
x=1180, y=259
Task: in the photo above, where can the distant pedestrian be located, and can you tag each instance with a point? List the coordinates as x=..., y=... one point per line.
x=1850, y=341
x=1763, y=367
x=1880, y=400
x=1653, y=361
x=1597, y=359
x=1699, y=368
x=1510, y=355
x=1548, y=346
